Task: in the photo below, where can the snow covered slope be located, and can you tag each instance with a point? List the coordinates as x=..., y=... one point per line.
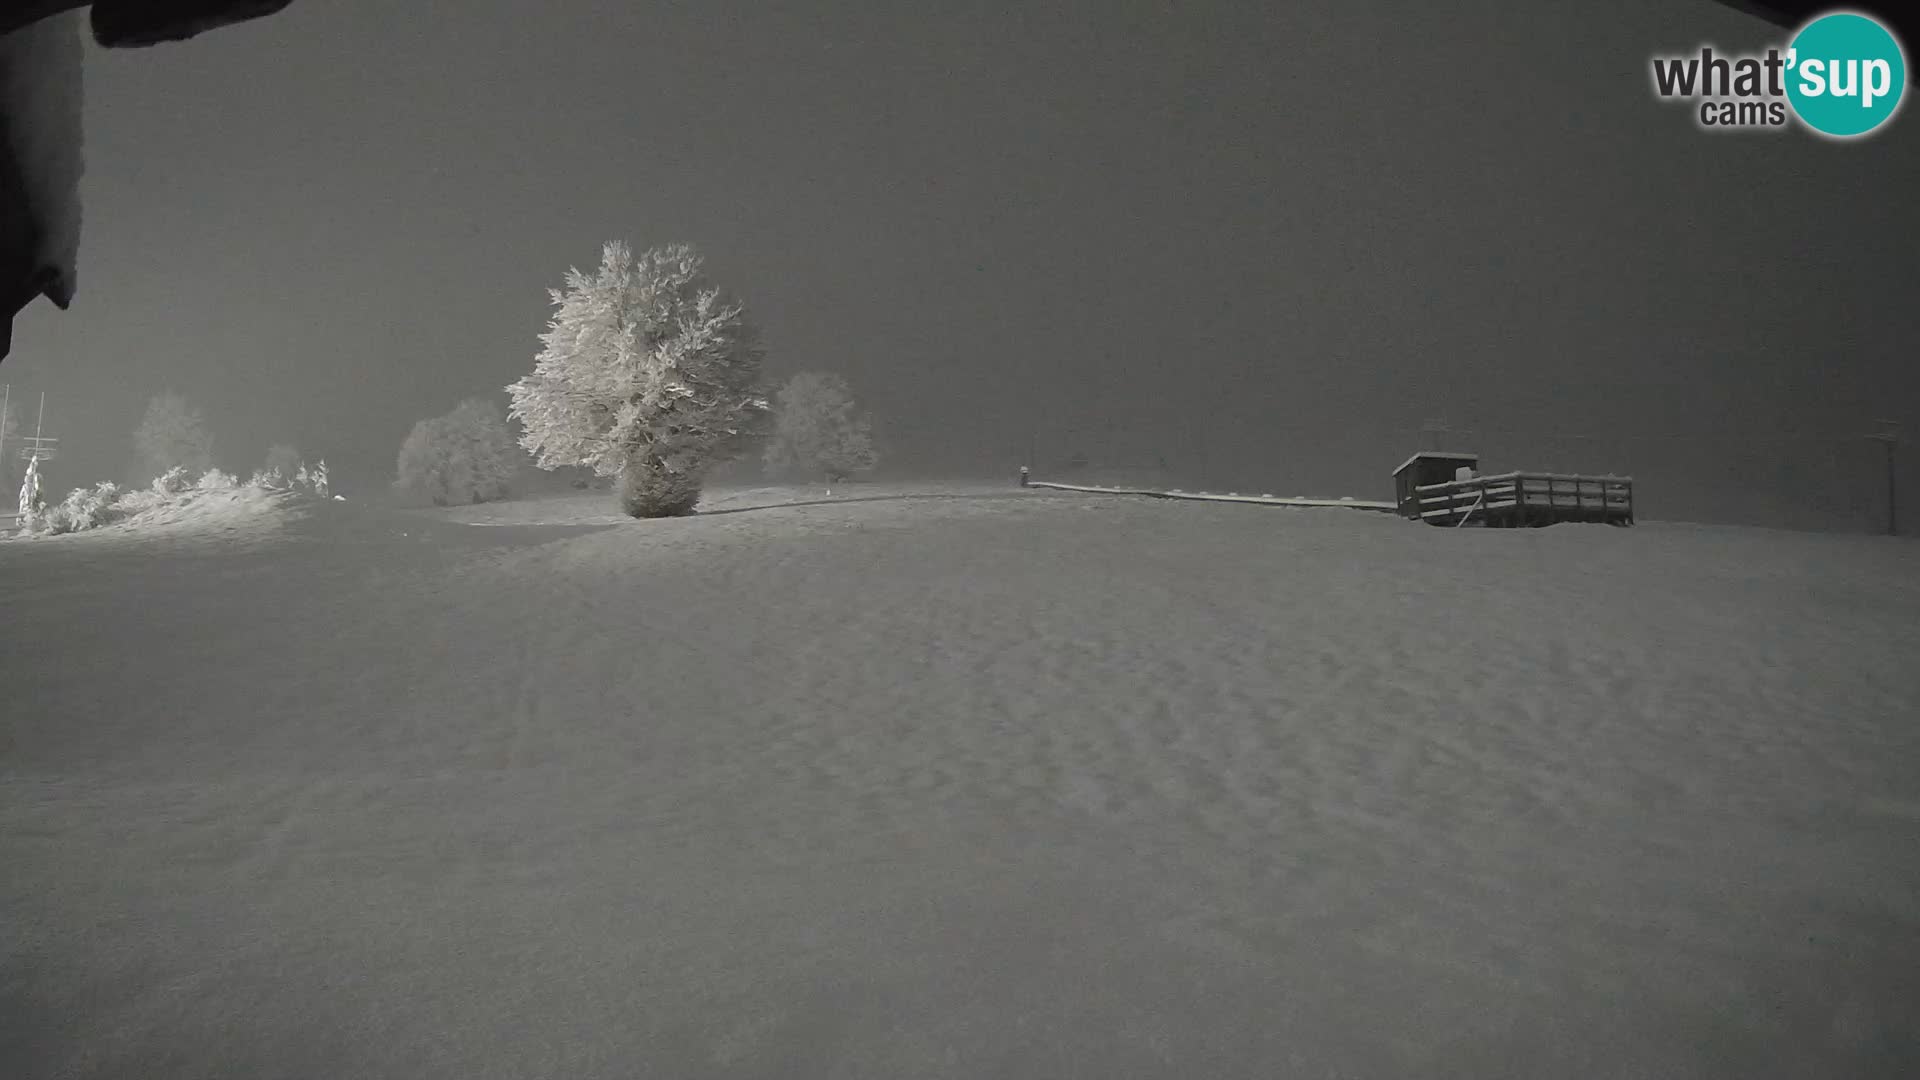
x=1032, y=786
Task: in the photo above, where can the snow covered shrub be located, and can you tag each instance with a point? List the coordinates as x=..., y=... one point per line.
x=217, y=480
x=649, y=490
x=647, y=375
x=313, y=481
x=817, y=431
x=285, y=470
x=298, y=477
x=107, y=503
x=173, y=481
x=83, y=508
x=466, y=456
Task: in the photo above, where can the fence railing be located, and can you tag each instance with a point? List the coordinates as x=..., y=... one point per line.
x=1211, y=496
x=1531, y=495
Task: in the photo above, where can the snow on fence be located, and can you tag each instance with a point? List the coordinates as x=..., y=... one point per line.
x=1527, y=498
x=1207, y=496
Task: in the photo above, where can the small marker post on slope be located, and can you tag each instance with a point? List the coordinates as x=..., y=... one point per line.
x=1889, y=437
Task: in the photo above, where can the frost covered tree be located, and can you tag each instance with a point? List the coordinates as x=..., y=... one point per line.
x=31, y=502
x=172, y=433
x=648, y=375
x=816, y=430
x=467, y=456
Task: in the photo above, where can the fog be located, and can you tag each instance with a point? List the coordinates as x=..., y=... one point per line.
x=1260, y=248
x=1187, y=754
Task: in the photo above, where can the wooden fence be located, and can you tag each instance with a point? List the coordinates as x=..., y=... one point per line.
x=1520, y=499
x=1209, y=496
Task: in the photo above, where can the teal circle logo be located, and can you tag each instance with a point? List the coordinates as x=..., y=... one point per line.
x=1845, y=74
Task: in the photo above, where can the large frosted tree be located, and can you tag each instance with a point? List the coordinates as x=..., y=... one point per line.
x=172, y=434
x=648, y=375
x=816, y=429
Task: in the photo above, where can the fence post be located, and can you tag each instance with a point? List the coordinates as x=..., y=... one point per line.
x=1887, y=436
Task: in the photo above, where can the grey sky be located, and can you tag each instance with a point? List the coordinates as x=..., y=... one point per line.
x=1262, y=241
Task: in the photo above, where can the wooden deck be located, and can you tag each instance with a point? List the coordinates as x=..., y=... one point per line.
x=1524, y=499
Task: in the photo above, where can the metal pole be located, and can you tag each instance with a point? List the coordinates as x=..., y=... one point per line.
x=1888, y=436
x=1893, y=520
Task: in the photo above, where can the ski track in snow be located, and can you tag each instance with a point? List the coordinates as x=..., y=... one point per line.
x=979, y=784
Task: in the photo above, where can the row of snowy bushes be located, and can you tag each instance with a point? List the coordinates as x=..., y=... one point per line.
x=106, y=502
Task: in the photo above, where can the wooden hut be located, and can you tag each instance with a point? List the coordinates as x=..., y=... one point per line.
x=1423, y=469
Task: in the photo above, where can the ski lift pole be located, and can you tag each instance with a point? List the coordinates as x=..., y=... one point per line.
x=39, y=445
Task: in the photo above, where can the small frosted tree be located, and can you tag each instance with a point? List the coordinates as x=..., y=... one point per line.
x=172, y=433
x=31, y=501
x=648, y=375
x=817, y=431
x=423, y=468
x=466, y=456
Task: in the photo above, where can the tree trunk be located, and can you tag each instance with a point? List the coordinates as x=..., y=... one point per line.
x=648, y=489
